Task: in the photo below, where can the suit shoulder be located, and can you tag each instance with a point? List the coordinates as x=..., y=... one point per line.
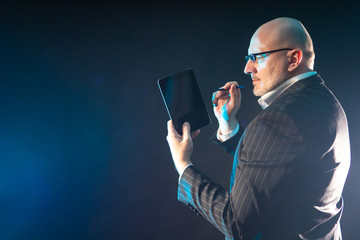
x=308, y=103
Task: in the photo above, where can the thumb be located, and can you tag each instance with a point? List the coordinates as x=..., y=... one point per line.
x=171, y=128
x=186, y=131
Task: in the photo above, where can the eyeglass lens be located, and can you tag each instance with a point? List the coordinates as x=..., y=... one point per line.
x=252, y=57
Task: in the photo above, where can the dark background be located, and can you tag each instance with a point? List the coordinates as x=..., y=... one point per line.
x=83, y=153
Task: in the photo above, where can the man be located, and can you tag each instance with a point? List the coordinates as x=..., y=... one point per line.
x=292, y=160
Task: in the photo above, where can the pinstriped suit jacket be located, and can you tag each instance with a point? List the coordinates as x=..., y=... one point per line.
x=290, y=166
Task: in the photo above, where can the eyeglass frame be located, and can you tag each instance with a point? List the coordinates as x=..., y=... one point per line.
x=252, y=56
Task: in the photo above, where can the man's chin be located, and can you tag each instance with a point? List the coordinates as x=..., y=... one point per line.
x=258, y=92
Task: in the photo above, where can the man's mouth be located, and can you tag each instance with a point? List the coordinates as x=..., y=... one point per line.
x=255, y=79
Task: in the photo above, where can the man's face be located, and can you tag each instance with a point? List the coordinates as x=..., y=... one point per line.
x=269, y=70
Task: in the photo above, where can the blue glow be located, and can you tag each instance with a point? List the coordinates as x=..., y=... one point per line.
x=22, y=189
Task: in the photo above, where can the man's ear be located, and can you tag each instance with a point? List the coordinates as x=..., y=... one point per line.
x=295, y=58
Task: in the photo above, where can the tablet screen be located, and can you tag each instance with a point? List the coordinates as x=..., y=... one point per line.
x=183, y=100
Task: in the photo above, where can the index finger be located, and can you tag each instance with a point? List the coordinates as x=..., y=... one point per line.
x=226, y=90
x=229, y=84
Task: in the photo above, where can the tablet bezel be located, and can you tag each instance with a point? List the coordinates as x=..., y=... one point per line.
x=199, y=117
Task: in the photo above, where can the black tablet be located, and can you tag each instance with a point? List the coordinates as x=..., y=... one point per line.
x=183, y=100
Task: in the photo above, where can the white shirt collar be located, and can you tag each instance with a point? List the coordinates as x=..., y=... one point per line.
x=268, y=98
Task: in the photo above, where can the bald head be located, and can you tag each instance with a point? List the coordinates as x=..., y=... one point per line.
x=287, y=33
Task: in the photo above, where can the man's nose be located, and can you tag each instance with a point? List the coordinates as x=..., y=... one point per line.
x=250, y=68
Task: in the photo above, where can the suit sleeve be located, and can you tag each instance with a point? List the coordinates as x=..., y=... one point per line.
x=268, y=145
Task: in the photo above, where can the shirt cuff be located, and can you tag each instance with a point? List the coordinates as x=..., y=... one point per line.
x=225, y=137
x=180, y=174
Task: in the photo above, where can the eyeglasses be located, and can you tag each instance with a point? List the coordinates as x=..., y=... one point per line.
x=252, y=56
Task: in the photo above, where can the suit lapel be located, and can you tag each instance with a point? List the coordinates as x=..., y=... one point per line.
x=313, y=80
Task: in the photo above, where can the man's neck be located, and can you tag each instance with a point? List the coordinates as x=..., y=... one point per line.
x=269, y=97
